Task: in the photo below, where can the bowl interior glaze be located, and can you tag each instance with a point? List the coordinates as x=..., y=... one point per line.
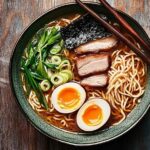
x=79, y=139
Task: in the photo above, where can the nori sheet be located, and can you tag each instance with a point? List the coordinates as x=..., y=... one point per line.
x=82, y=30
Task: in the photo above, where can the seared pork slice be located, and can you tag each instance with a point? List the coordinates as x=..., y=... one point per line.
x=95, y=46
x=95, y=81
x=92, y=64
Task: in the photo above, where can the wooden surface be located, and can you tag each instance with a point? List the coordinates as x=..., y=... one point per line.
x=16, y=133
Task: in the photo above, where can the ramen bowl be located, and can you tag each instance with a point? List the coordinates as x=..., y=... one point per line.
x=73, y=138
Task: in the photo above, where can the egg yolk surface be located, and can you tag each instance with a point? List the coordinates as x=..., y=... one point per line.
x=92, y=116
x=68, y=98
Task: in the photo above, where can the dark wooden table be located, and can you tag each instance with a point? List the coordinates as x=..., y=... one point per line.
x=16, y=133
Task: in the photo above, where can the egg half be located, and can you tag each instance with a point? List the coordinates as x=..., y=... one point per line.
x=93, y=114
x=68, y=97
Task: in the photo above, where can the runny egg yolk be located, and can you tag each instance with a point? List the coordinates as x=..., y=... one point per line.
x=92, y=116
x=68, y=98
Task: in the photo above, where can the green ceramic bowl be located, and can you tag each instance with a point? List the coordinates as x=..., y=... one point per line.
x=79, y=139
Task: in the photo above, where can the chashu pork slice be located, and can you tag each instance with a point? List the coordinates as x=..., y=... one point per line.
x=95, y=81
x=92, y=64
x=103, y=44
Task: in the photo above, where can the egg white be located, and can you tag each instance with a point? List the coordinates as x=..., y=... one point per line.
x=77, y=87
x=106, y=111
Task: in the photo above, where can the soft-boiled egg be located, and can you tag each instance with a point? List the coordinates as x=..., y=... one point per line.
x=68, y=97
x=93, y=114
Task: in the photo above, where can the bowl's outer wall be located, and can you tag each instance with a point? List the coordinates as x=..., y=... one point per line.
x=53, y=132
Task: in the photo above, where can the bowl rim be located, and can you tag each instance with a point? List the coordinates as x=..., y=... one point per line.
x=15, y=95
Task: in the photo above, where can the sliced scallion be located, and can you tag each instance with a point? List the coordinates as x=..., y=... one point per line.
x=65, y=76
x=45, y=85
x=65, y=64
x=57, y=79
x=56, y=60
x=55, y=49
x=69, y=72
